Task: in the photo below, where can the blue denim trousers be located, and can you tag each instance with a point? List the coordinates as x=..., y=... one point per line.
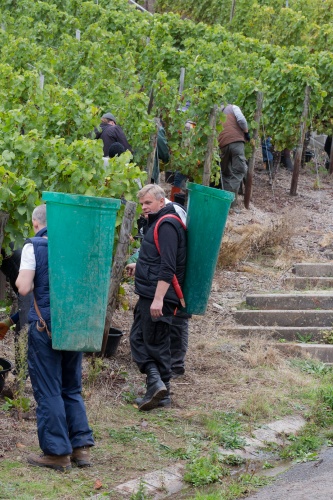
x=56, y=381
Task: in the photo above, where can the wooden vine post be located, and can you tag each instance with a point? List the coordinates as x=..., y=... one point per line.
x=118, y=267
x=153, y=141
x=210, y=147
x=232, y=10
x=299, y=148
x=249, y=178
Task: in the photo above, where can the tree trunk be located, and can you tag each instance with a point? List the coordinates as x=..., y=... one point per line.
x=118, y=267
x=299, y=148
x=249, y=178
x=210, y=147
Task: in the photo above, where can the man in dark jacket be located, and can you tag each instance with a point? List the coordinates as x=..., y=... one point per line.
x=63, y=431
x=158, y=300
x=110, y=133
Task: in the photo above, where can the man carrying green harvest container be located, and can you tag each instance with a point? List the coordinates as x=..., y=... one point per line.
x=159, y=274
x=63, y=431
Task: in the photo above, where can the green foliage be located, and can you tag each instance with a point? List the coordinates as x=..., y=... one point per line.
x=304, y=446
x=233, y=460
x=305, y=339
x=128, y=434
x=224, y=429
x=311, y=366
x=327, y=336
x=95, y=367
x=46, y=134
x=21, y=404
x=141, y=494
x=205, y=470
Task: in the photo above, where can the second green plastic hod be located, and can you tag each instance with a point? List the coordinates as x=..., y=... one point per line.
x=207, y=214
x=80, y=243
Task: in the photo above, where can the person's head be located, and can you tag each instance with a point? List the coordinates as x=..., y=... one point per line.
x=116, y=149
x=108, y=118
x=151, y=198
x=39, y=217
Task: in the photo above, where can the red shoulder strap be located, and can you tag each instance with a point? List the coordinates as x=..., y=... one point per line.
x=174, y=281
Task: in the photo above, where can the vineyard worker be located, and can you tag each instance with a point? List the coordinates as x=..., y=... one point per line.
x=179, y=326
x=158, y=300
x=231, y=142
x=63, y=431
x=110, y=133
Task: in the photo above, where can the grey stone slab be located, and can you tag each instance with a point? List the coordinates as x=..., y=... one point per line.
x=321, y=318
x=160, y=483
x=288, y=333
x=267, y=436
x=288, y=301
x=313, y=269
x=288, y=425
x=304, y=283
x=322, y=352
x=133, y=486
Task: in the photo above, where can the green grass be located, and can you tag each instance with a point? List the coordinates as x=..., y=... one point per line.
x=224, y=429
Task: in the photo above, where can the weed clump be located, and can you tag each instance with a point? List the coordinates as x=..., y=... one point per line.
x=240, y=243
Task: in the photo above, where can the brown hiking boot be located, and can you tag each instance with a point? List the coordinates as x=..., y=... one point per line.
x=81, y=456
x=57, y=462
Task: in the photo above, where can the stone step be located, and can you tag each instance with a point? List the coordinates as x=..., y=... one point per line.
x=309, y=283
x=321, y=352
x=289, y=333
x=304, y=317
x=310, y=269
x=319, y=300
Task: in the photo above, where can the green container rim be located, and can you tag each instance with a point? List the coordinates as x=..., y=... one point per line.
x=214, y=192
x=81, y=200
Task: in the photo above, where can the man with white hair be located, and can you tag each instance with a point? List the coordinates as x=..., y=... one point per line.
x=63, y=431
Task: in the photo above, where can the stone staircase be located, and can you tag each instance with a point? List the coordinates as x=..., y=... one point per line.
x=297, y=319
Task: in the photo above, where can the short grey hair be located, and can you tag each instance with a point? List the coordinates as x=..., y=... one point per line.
x=153, y=189
x=39, y=214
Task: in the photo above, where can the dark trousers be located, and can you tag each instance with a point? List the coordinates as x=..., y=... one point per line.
x=178, y=344
x=56, y=381
x=233, y=166
x=150, y=340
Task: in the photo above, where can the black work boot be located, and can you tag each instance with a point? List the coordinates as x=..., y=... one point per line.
x=166, y=401
x=156, y=389
x=163, y=403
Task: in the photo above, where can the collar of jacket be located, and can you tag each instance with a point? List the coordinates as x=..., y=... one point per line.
x=168, y=209
x=42, y=232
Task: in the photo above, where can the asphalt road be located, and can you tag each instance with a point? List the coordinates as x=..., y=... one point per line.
x=306, y=481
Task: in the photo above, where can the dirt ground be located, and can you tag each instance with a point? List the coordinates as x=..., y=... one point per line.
x=222, y=372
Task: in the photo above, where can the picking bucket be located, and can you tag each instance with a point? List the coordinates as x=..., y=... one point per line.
x=207, y=214
x=80, y=244
x=113, y=342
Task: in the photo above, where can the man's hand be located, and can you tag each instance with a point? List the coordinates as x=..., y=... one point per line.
x=130, y=268
x=157, y=304
x=156, y=308
x=247, y=136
